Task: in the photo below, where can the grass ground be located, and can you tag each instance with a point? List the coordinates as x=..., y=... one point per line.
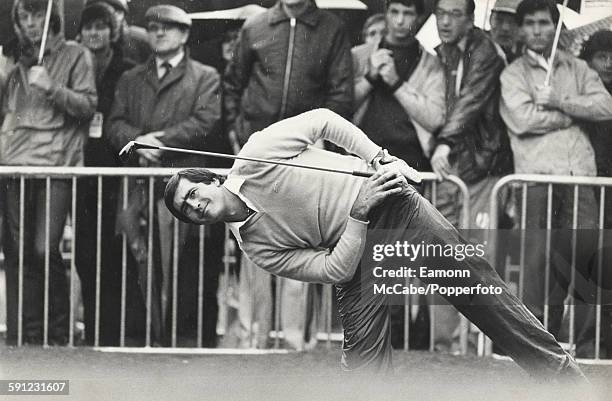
x=311, y=376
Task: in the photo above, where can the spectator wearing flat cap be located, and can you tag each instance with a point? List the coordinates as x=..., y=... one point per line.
x=504, y=29
x=132, y=40
x=172, y=100
x=96, y=31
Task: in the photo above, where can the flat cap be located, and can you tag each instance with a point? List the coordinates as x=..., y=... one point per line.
x=116, y=4
x=169, y=14
x=506, y=6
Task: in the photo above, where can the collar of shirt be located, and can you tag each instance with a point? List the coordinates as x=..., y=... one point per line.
x=537, y=60
x=462, y=43
x=174, y=61
x=233, y=184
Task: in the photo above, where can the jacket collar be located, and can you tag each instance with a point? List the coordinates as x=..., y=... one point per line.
x=561, y=57
x=310, y=16
x=174, y=75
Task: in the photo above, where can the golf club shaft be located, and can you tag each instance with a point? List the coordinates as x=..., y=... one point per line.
x=253, y=159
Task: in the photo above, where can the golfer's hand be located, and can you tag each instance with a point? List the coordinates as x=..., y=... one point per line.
x=374, y=190
x=151, y=155
x=439, y=162
x=39, y=78
x=393, y=164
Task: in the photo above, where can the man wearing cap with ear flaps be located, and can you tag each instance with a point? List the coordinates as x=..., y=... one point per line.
x=171, y=100
x=504, y=29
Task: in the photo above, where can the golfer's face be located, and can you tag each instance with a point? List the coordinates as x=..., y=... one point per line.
x=201, y=203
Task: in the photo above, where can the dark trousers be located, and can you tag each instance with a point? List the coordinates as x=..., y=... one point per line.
x=365, y=314
x=35, y=246
x=189, y=280
x=86, y=255
x=562, y=247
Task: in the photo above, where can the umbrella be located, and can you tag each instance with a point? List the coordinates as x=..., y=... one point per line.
x=244, y=12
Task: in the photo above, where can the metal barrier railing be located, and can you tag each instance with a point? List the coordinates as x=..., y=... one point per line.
x=523, y=182
x=151, y=336
x=464, y=222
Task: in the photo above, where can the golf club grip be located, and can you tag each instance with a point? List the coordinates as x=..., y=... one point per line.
x=147, y=146
x=365, y=174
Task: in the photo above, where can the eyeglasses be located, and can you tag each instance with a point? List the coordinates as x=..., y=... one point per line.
x=155, y=27
x=455, y=14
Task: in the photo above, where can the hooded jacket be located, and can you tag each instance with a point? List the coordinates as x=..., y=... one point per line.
x=49, y=130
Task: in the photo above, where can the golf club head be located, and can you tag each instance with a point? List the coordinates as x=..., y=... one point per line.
x=128, y=150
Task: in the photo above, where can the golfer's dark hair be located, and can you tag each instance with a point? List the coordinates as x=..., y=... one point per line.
x=33, y=6
x=533, y=6
x=418, y=4
x=194, y=175
x=470, y=6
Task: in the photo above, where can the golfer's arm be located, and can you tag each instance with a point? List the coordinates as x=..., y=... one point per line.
x=290, y=137
x=315, y=265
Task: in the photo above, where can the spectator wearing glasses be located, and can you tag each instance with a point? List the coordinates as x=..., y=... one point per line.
x=472, y=143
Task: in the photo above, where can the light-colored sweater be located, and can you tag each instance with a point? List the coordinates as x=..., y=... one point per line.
x=303, y=230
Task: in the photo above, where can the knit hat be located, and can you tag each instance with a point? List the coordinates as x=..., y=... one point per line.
x=599, y=41
x=116, y=4
x=98, y=11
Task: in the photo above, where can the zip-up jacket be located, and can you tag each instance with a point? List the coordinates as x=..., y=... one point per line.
x=284, y=66
x=474, y=129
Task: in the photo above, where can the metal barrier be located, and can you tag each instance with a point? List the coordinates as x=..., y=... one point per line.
x=150, y=175
x=523, y=182
x=431, y=179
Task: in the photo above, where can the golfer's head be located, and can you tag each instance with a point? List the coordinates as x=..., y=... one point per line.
x=196, y=196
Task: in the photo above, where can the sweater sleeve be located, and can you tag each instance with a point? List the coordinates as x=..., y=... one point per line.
x=290, y=137
x=78, y=98
x=519, y=111
x=314, y=265
x=594, y=103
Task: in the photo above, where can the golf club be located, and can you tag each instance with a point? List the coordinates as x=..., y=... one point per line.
x=134, y=145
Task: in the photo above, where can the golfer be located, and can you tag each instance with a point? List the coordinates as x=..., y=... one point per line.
x=312, y=226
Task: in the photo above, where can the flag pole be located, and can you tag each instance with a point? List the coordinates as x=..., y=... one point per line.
x=555, y=45
x=45, y=34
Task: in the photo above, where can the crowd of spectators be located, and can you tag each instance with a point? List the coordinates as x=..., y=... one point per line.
x=478, y=108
